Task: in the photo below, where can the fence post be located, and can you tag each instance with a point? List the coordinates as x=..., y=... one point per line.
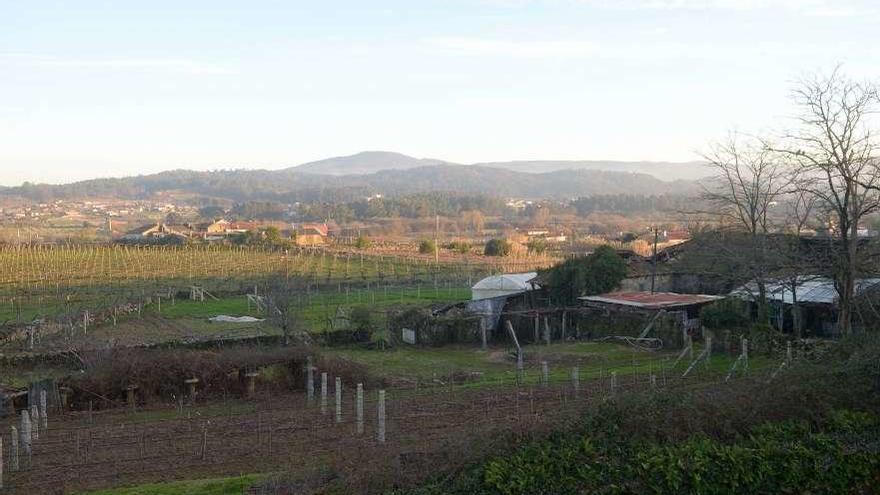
x=323, y=392
x=1, y=462
x=360, y=408
x=563, y=326
x=26, y=435
x=547, y=329
x=576, y=379
x=44, y=412
x=483, y=333
x=613, y=382
x=545, y=373
x=653, y=381
x=381, y=417
x=708, y=349
x=338, y=400
x=310, y=380
x=537, y=329
x=35, y=422
x=788, y=354
x=744, y=346
x=13, y=449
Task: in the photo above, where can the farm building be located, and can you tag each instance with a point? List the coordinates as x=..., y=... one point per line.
x=817, y=301
x=310, y=234
x=686, y=307
x=490, y=295
x=504, y=285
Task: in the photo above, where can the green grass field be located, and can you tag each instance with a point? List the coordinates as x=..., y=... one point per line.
x=215, y=486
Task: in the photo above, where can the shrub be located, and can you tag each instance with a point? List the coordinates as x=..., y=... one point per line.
x=596, y=273
x=537, y=246
x=427, y=246
x=497, y=247
x=725, y=314
x=363, y=242
x=460, y=247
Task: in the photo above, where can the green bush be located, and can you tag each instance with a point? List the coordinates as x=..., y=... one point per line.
x=779, y=457
x=537, y=246
x=363, y=242
x=460, y=247
x=497, y=247
x=599, y=272
x=427, y=246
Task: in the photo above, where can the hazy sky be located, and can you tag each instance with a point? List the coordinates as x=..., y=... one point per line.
x=110, y=88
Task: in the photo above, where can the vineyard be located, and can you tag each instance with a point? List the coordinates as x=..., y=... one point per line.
x=50, y=281
x=333, y=428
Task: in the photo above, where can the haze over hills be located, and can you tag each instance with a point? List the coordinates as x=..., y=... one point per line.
x=375, y=161
x=391, y=174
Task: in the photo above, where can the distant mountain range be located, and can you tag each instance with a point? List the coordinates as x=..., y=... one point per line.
x=356, y=176
x=368, y=162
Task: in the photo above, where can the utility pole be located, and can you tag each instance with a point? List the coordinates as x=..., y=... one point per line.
x=654, y=260
x=436, y=245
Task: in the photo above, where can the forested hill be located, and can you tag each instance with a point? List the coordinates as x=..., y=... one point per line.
x=290, y=185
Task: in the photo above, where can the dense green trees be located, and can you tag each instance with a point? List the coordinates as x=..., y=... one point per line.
x=497, y=247
x=596, y=273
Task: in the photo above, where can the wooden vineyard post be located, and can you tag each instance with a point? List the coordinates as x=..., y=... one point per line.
x=360, y=408
x=380, y=431
x=323, y=393
x=338, y=391
x=310, y=380
x=545, y=374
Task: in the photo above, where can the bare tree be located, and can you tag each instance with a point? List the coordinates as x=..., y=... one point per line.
x=279, y=292
x=835, y=152
x=749, y=180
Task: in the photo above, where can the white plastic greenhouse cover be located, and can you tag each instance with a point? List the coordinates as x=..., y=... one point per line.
x=502, y=285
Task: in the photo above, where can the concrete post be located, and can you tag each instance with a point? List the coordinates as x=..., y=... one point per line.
x=323, y=393
x=788, y=354
x=25, y=433
x=653, y=381
x=690, y=347
x=13, y=449
x=563, y=326
x=310, y=380
x=251, y=383
x=744, y=348
x=613, y=382
x=381, y=417
x=338, y=400
x=483, y=336
x=547, y=330
x=44, y=412
x=191, y=387
x=708, y=349
x=360, y=408
x=537, y=329
x=576, y=379
x=130, y=397
x=35, y=422
x=545, y=373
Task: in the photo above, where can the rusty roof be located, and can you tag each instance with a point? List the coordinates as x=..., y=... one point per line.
x=647, y=300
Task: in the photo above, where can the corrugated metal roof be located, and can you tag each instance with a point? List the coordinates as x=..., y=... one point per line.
x=818, y=290
x=647, y=300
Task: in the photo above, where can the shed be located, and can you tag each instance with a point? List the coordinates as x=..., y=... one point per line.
x=504, y=285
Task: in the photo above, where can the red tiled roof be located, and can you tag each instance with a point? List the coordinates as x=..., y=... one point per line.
x=657, y=300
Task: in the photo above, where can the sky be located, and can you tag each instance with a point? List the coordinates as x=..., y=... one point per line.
x=114, y=88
